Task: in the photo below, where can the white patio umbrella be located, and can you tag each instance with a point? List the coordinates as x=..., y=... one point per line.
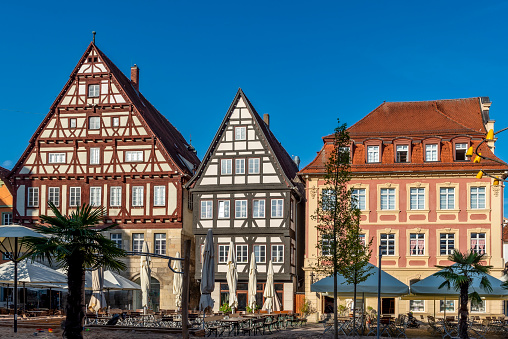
x=177, y=281
x=232, y=277
x=145, y=276
x=207, y=273
x=98, y=300
x=114, y=281
x=272, y=303
x=252, y=282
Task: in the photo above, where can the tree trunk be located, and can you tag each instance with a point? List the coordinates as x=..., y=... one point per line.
x=354, y=306
x=75, y=303
x=463, y=312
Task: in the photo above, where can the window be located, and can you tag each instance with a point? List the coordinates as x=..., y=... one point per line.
x=75, y=196
x=388, y=244
x=277, y=208
x=447, y=198
x=431, y=152
x=258, y=208
x=54, y=195
x=160, y=243
x=6, y=218
x=254, y=166
x=206, y=209
x=387, y=198
x=417, y=244
x=478, y=306
x=94, y=123
x=133, y=156
x=402, y=153
x=95, y=156
x=328, y=200
x=56, y=158
x=416, y=305
x=95, y=196
x=362, y=239
x=225, y=166
x=277, y=254
x=242, y=253
x=260, y=253
x=344, y=154
x=33, y=196
x=460, y=152
x=417, y=198
x=72, y=123
x=223, y=254
x=137, y=195
x=358, y=198
x=223, y=206
x=115, y=121
x=477, y=197
x=326, y=244
x=93, y=91
x=240, y=166
x=446, y=243
x=448, y=304
x=478, y=243
x=240, y=133
x=240, y=209
x=115, y=198
x=159, y=195
x=117, y=239
x=137, y=242
x=372, y=153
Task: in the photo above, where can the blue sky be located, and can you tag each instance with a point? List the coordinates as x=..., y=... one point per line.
x=305, y=63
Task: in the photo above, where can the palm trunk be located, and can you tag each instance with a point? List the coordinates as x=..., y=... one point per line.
x=75, y=304
x=463, y=312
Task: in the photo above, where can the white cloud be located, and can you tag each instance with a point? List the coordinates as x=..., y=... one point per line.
x=7, y=164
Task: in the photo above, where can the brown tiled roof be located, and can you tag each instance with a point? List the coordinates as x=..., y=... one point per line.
x=505, y=233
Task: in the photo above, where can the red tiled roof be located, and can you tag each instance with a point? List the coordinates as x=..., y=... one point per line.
x=505, y=233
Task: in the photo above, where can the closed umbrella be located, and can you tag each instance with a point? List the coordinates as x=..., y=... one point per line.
x=272, y=303
x=252, y=282
x=177, y=281
x=207, y=273
x=98, y=300
x=232, y=277
x=145, y=276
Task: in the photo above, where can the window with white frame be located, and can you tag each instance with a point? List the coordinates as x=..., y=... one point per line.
x=223, y=209
x=260, y=253
x=225, y=166
x=54, y=195
x=72, y=123
x=115, y=196
x=478, y=243
x=94, y=123
x=431, y=152
x=446, y=243
x=95, y=196
x=137, y=242
x=56, y=158
x=416, y=305
x=358, y=198
x=387, y=198
x=326, y=244
x=160, y=243
x=159, y=195
x=417, y=198
x=416, y=244
x=223, y=254
x=74, y=196
x=33, y=196
x=7, y=218
x=133, y=156
x=402, y=152
x=254, y=166
x=328, y=200
x=447, y=198
x=95, y=156
x=240, y=166
x=277, y=208
x=240, y=133
x=477, y=197
x=206, y=209
x=115, y=121
x=372, y=153
x=362, y=239
x=478, y=307
x=446, y=305
x=242, y=254
x=137, y=195
x=94, y=90
x=241, y=209
x=277, y=254
x=117, y=239
x=258, y=208
x=387, y=243
x=460, y=151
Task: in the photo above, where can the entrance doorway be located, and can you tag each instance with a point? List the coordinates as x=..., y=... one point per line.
x=388, y=306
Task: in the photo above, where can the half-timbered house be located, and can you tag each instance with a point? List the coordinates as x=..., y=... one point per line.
x=104, y=144
x=247, y=190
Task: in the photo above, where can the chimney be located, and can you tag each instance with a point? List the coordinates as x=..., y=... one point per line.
x=266, y=119
x=135, y=77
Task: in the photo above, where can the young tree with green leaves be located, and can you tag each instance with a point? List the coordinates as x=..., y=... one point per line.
x=76, y=243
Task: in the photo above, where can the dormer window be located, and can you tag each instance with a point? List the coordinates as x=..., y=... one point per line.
x=93, y=91
x=372, y=153
x=402, y=153
x=460, y=151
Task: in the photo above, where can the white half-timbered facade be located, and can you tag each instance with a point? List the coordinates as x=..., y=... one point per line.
x=104, y=144
x=247, y=190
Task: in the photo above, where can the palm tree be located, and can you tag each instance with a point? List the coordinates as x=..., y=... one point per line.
x=467, y=265
x=76, y=243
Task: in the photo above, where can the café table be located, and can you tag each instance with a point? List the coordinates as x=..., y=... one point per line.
x=234, y=322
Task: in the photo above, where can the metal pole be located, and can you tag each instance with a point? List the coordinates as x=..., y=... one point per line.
x=15, y=285
x=379, y=291
x=185, y=289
